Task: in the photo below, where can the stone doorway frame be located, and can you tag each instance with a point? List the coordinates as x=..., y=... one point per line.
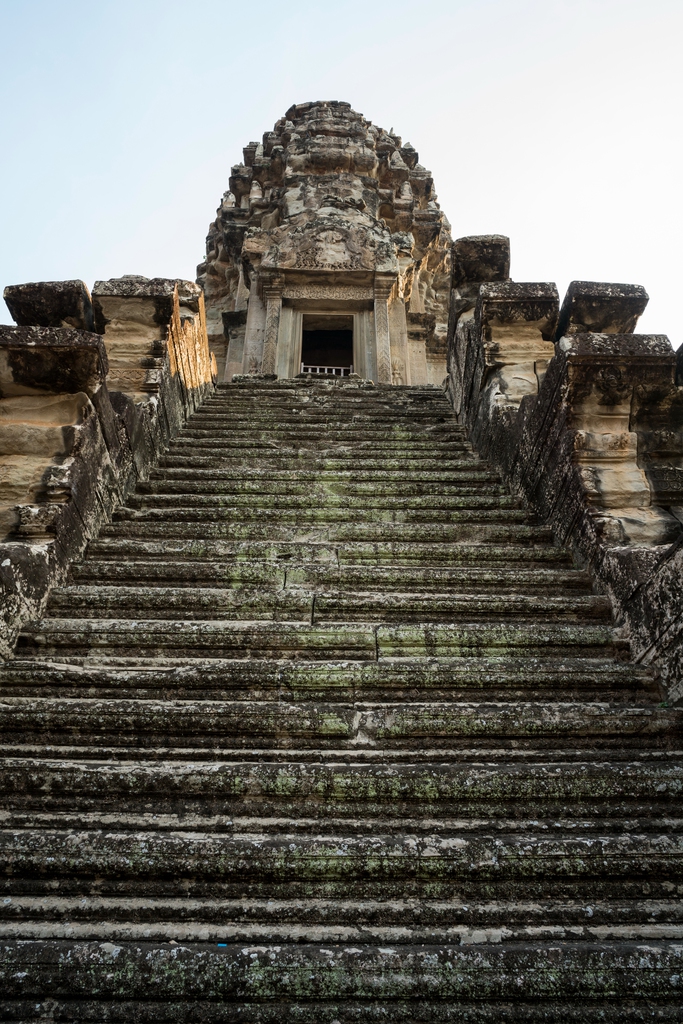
x=290, y=335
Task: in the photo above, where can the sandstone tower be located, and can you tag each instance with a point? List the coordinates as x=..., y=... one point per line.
x=329, y=249
x=342, y=624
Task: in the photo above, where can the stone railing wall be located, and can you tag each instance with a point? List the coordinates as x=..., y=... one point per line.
x=72, y=446
x=585, y=420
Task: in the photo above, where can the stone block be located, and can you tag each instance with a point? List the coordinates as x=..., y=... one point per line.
x=479, y=258
x=153, y=296
x=58, y=360
x=51, y=304
x=599, y=308
x=508, y=302
x=133, y=313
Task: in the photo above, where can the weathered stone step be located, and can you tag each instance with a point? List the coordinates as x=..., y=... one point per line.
x=185, y=859
x=361, y=641
x=312, y=516
x=344, y=921
x=219, y=723
x=223, y=931
x=275, y=576
x=318, y=490
x=464, y=469
x=226, y=444
x=466, y=498
x=403, y=679
x=414, y=984
x=321, y=422
x=333, y=533
x=301, y=983
x=232, y=450
x=285, y=466
x=330, y=412
x=408, y=577
x=319, y=552
x=346, y=605
x=331, y=417
x=294, y=604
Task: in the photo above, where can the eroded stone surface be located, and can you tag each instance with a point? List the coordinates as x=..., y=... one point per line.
x=51, y=304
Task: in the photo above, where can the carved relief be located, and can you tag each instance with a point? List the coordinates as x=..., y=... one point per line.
x=327, y=291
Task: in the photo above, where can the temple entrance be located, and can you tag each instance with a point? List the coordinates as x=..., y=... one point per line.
x=327, y=344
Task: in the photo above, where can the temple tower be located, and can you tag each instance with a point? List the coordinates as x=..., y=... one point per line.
x=329, y=253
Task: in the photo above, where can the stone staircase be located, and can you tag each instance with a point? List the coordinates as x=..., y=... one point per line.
x=325, y=729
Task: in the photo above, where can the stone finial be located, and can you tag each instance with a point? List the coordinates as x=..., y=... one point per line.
x=479, y=258
x=50, y=304
x=593, y=307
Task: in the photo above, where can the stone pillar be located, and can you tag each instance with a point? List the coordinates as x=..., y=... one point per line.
x=253, y=337
x=272, y=293
x=382, y=337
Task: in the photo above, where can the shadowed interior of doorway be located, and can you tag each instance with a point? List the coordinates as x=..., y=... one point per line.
x=327, y=343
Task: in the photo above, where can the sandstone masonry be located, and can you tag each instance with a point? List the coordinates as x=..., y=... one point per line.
x=342, y=624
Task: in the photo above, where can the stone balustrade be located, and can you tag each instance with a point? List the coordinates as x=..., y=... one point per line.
x=585, y=420
x=73, y=442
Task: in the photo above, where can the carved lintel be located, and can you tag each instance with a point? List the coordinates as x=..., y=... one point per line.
x=354, y=293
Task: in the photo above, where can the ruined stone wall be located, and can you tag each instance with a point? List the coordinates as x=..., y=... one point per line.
x=73, y=443
x=585, y=419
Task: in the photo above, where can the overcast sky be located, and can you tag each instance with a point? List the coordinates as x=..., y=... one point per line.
x=556, y=123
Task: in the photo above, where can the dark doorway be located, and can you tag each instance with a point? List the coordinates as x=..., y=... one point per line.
x=327, y=344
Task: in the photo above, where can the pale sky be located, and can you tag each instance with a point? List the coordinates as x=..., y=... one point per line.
x=556, y=122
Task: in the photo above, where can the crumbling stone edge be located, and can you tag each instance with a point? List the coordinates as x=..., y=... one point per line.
x=584, y=419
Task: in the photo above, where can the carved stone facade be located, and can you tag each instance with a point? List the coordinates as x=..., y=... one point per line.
x=333, y=215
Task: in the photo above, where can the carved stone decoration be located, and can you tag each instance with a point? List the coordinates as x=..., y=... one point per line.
x=382, y=337
x=331, y=292
x=330, y=202
x=272, y=291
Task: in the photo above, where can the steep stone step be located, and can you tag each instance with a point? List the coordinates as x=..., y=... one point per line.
x=177, y=862
x=345, y=921
x=519, y=580
x=294, y=604
x=304, y=462
x=342, y=553
x=466, y=498
x=406, y=679
x=230, y=446
x=361, y=641
x=463, y=470
x=477, y=483
x=404, y=533
x=234, y=451
x=267, y=984
x=219, y=723
x=307, y=516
